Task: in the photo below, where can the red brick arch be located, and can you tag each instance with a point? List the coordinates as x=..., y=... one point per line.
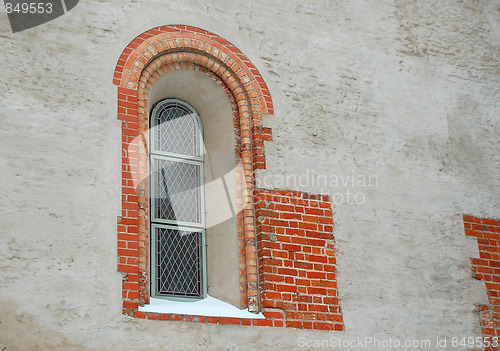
x=168, y=48
x=187, y=40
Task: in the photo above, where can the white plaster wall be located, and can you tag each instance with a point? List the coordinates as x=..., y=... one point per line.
x=407, y=91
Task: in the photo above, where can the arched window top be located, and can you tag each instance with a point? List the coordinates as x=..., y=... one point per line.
x=176, y=164
x=176, y=129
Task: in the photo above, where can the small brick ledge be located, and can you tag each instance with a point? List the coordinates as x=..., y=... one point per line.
x=270, y=321
x=487, y=269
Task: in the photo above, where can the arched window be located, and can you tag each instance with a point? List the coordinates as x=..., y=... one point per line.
x=177, y=219
x=270, y=251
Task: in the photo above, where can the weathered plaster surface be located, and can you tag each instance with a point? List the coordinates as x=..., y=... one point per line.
x=407, y=91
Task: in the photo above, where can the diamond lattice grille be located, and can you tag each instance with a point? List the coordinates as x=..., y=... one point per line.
x=177, y=191
x=179, y=262
x=176, y=131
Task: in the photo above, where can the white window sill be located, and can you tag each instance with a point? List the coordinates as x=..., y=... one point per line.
x=210, y=307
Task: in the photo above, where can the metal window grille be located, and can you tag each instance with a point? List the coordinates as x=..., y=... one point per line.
x=178, y=255
x=177, y=210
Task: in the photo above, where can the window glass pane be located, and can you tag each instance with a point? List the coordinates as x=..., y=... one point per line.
x=176, y=130
x=176, y=191
x=179, y=268
x=176, y=198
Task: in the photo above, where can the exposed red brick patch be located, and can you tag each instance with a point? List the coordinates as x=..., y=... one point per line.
x=297, y=259
x=487, y=269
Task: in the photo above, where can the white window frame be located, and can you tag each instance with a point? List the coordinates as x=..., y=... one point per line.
x=173, y=224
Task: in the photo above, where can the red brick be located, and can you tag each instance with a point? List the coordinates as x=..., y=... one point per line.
x=315, y=211
x=467, y=218
x=285, y=208
x=303, y=282
x=288, y=215
x=489, y=221
x=270, y=295
x=130, y=305
x=323, y=326
x=229, y=320
x=133, y=277
x=127, y=237
x=294, y=324
x=262, y=322
x=134, y=295
x=306, y=225
x=129, y=221
x=212, y=320
x=127, y=269
x=197, y=319
x=284, y=287
x=138, y=314
x=316, y=291
x=129, y=253
x=291, y=247
x=273, y=314
x=303, y=265
x=287, y=271
x=130, y=286
x=318, y=308
x=176, y=317
x=307, y=325
x=158, y=316
x=278, y=323
x=246, y=321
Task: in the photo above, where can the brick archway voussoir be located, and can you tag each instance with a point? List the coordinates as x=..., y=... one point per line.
x=177, y=39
